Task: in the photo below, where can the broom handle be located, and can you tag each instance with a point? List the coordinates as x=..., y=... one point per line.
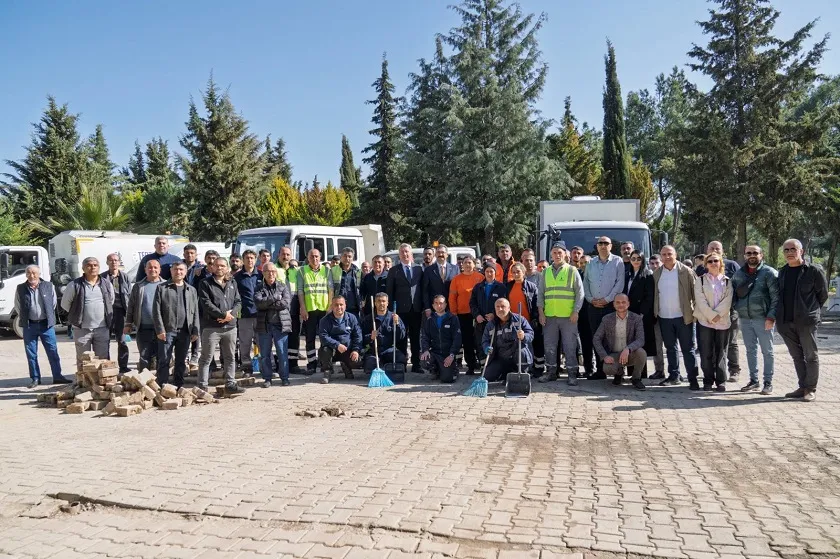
x=375, y=338
x=520, y=341
x=487, y=359
x=394, y=347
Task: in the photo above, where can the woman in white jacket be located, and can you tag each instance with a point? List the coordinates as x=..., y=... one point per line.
x=712, y=305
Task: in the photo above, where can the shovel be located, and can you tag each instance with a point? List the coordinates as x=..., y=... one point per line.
x=518, y=384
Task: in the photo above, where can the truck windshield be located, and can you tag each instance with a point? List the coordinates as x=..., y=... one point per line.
x=270, y=241
x=588, y=239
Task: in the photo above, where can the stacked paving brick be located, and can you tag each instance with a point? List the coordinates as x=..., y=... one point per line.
x=99, y=388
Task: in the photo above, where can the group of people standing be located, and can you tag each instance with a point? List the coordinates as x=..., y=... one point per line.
x=605, y=314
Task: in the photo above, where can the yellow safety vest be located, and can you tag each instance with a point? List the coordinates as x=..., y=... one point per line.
x=291, y=274
x=315, y=289
x=559, y=291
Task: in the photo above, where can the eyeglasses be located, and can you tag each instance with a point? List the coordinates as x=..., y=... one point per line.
x=790, y=249
x=751, y=253
x=603, y=243
x=635, y=259
x=713, y=261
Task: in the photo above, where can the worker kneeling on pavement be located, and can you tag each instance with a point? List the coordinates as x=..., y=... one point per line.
x=341, y=340
x=383, y=326
x=440, y=341
x=620, y=341
x=510, y=329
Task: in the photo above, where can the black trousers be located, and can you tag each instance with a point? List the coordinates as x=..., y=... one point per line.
x=801, y=341
x=117, y=326
x=733, y=359
x=585, y=338
x=177, y=343
x=468, y=340
x=436, y=367
x=147, y=347
x=478, y=335
x=595, y=316
x=384, y=358
x=713, y=348
x=412, y=321
x=312, y=335
x=498, y=368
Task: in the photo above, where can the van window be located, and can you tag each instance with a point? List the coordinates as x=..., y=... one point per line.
x=313, y=242
x=330, y=248
x=348, y=243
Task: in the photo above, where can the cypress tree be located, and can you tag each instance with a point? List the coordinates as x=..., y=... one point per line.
x=349, y=173
x=615, y=158
x=100, y=174
x=158, y=163
x=135, y=172
x=277, y=160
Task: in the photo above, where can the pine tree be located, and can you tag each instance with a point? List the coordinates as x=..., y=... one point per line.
x=100, y=168
x=499, y=169
x=745, y=151
x=616, y=161
x=378, y=203
x=349, y=173
x=159, y=167
x=223, y=169
x=277, y=160
x=135, y=172
x=580, y=160
x=53, y=169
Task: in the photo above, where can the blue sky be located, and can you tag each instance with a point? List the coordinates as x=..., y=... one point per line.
x=303, y=70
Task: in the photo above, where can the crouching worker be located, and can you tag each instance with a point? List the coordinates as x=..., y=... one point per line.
x=620, y=341
x=341, y=340
x=440, y=341
x=510, y=329
x=384, y=326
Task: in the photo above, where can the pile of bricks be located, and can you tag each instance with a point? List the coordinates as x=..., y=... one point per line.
x=98, y=388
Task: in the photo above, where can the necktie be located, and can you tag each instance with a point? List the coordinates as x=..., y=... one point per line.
x=443, y=273
x=408, y=273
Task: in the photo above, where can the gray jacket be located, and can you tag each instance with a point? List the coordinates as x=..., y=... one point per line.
x=604, y=337
x=164, y=311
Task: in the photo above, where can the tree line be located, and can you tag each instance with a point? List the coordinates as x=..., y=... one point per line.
x=465, y=156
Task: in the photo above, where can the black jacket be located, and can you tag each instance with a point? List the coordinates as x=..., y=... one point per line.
x=125, y=287
x=443, y=341
x=384, y=332
x=434, y=285
x=165, y=309
x=811, y=295
x=215, y=301
x=481, y=304
x=273, y=305
x=399, y=288
x=370, y=287
x=641, y=294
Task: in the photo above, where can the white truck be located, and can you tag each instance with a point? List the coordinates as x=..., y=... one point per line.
x=13, y=263
x=456, y=254
x=581, y=220
x=365, y=240
x=178, y=250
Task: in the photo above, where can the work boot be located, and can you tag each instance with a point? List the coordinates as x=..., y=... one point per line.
x=798, y=393
x=549, y=377
x=572, y=381
x=720, y=388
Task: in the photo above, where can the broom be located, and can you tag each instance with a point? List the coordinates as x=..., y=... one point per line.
x=478, y=388
x=378, y=378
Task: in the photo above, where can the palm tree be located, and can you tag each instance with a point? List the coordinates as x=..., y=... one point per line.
x=96, y=209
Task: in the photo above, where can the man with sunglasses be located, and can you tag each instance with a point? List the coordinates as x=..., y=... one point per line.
x=802, y=293
x=756, y=291
x=602, y=281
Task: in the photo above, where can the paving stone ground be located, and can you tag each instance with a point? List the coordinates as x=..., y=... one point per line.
x=594, y=470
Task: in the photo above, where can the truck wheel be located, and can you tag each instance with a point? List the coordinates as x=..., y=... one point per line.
x=16, y=327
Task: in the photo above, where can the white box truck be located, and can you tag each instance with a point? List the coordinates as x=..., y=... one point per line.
x=13, y=263
x=365, y=240
x=581, y=220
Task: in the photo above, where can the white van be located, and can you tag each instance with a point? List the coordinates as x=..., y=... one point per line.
x=365, y=240
x=178, y=250
x=456, y=254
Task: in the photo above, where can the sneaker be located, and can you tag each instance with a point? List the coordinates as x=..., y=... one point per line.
x=670, y=382
x=658, y=375
x=683, y=378
x=753, y=386
x=234, y=389
x=34, y=383
x=798, y=393
x=720, y=388
x=266, y=384
x=768, y=389
x=285, y=382
x=639, y=385
x=809, y=396
x=733, y=378
x=617, y=380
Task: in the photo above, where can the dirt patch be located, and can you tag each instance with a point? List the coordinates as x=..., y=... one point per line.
x=429, y=417
x=495, y=420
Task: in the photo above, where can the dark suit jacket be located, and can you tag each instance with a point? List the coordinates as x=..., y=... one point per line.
x=370, y=287
x=434, y=285
x=604, y=337
x=641, y=294
x=399, y=288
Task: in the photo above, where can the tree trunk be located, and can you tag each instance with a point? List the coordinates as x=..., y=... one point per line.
x=773, y=251
x=832, y=254
x=489, y=241
x=675, y=224
x=741, y=238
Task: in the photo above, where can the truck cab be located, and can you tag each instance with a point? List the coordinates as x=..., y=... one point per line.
x=13, y=263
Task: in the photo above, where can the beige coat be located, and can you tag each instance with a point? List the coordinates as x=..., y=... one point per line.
x=704, y=298
x=686, y=279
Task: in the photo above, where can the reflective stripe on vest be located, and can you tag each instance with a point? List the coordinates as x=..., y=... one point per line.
x=559, y=292
x=315, y=291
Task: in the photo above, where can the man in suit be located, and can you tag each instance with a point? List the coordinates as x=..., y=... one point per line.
x=404, y=286
x=620, y=341
x=437, y=277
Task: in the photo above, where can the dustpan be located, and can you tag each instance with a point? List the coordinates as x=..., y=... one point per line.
x=518, y=384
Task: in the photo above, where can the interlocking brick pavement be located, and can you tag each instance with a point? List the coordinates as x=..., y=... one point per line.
x=593, y=469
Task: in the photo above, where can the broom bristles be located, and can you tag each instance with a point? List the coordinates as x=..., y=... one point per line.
x=378, y=379
x=478, y=388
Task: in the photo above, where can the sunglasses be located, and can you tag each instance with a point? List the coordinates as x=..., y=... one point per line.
x=713, y=261
x=751, y=253
x=603, y=243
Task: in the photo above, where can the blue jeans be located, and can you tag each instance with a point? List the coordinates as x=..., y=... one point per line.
x=280, y=340
x=676, y=331
x=754, y=335
x=177, y=343
x=31, y=334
